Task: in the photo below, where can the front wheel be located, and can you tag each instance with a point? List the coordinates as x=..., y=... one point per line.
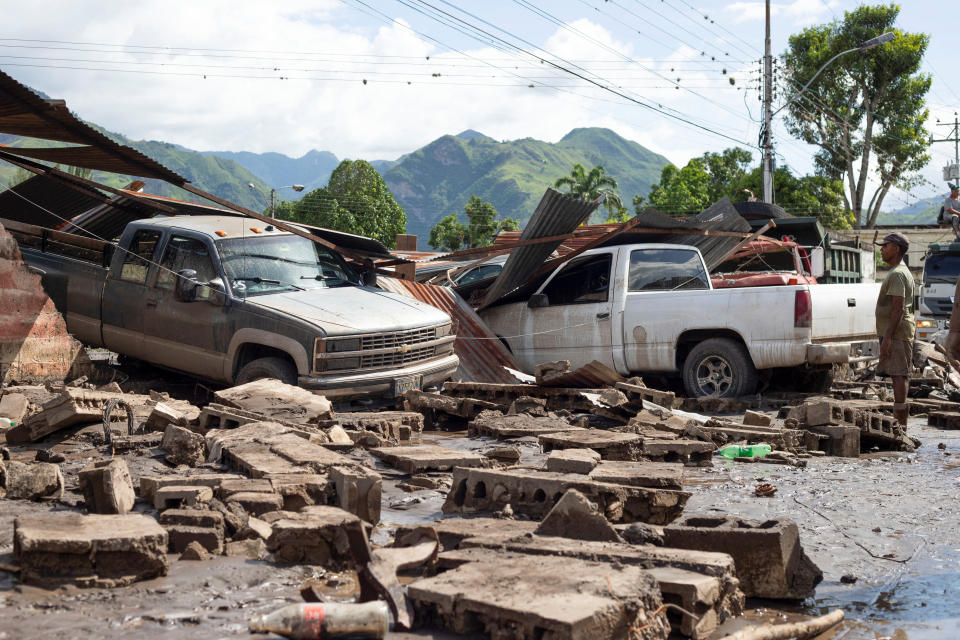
x=719, y=368
x=282, y=370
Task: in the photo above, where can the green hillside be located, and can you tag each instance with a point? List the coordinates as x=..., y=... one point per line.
x=440, y=178
x=219, y=176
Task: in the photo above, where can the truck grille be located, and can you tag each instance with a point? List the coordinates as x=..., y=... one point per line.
x=939, y=306
x=397, y=358
x=397, y=339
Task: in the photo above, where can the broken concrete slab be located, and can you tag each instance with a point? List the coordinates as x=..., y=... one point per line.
x=302, y=489
x=611, y=445
x=181, y=536
x=756, y=419
x=664, y=475
x=427, y=457
x=73, y=406
x=544, y=371
x=576, y=517
x=150, y=484
x=494, y=424
x=694, y=592
x=178, y=412
x=107, y=487
x=503, y=395
x=637, y=395
x=193, y=518
x=380, y=422
x=183, y=446
x=218, y=416
x=452, y=531
x=274, y=399
x=534, y=493
x=559, y=598
x=14, y=406
x=690, y=452
x=194, y=551
x=256, y=503
x=89, y=551
x=770, y=560
x=581, y=461
x=316, y=535
x=252, y=549
x=528, y=405
x=244, y=485
x=30, y=481
x=174, y=496
x=358, y=491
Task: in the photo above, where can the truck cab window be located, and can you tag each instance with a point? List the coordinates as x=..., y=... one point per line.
x=186, y=253
x=666, y=270
x=136, y=261
x=583, y=280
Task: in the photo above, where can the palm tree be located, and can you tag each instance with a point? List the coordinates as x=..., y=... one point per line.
x=591, y=185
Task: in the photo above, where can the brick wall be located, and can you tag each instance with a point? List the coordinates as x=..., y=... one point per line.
x=34, y=343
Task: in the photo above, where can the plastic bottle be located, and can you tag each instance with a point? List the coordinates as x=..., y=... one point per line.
x=311, y=621
x=6, y=423
x=732, y=451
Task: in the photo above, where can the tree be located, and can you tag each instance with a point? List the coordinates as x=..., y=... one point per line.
x=700, y=183
x=868, y=106
x=355, y=200
x=482, y=225
x=803, y=196
x=590, y=185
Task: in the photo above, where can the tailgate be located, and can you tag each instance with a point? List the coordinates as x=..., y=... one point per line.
x=844, y=311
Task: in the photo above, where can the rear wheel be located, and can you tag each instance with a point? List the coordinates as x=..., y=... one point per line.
x=719, y=368
x=282, y=370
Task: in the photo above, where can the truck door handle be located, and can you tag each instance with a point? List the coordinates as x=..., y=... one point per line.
x=604, y=315
x=151, y=302
x=851, y=302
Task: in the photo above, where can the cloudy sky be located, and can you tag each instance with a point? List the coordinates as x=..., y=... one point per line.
x=374, y=79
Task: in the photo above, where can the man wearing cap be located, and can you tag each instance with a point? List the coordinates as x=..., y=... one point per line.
x=895, y=323
x=951, y=210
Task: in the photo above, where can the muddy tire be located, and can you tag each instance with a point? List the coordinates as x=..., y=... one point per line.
x=282, y=370
x=719, y=368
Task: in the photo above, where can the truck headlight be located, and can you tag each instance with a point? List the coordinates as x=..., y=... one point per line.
x=444, y=330
x=925, y=324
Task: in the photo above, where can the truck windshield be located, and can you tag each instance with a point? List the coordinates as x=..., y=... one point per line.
x=941, y=267
x=260, y=265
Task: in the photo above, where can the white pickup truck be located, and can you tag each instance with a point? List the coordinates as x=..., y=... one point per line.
x=650, y=308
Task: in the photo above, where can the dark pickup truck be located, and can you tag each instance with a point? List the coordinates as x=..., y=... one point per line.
x=231, y=299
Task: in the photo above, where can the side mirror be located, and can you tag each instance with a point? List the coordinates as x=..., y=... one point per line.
x=186, y=289
x=217, y=292
x=538, y=300
x=369, y=277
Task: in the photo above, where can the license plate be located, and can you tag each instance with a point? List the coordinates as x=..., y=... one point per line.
x=406, y=383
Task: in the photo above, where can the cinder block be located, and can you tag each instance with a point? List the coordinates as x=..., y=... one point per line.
x=107, y=487
x=820, y=413
x=756, y=418
x=843, y=440
x=180, y=536
x=359, y=491
x=175, y=496
x=256, y=503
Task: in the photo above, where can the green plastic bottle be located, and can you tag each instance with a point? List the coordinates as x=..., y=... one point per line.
x=732, y=451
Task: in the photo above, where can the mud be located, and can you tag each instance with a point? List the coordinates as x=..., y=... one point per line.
x=889, y=520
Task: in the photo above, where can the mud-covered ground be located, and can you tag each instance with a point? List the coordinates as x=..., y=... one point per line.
x=889, y=520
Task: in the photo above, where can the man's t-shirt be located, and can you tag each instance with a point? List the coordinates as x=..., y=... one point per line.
x=899, y=282
x=950, y=203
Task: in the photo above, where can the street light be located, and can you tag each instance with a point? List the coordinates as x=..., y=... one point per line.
x=271, y=200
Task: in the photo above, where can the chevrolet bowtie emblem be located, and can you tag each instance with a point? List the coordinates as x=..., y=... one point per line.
x=404, y=348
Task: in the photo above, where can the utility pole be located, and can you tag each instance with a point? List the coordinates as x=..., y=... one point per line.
x=767, y=140
x=951, y=173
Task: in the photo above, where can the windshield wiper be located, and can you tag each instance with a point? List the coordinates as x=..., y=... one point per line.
x=259, y=280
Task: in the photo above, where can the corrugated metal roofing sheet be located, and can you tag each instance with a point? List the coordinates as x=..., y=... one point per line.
x=24, y=113
x=557, y=214
x=482, y=355
x=44, y=202
x=593, y=375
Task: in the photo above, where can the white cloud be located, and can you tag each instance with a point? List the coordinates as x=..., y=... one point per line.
x=799, y=12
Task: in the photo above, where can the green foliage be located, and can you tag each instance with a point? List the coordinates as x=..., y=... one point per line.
x=482, y=225
x=803, y=196
x=700, y=183
x=355, y=200
x=590, y=185
x=511, y=175
x=866, y=106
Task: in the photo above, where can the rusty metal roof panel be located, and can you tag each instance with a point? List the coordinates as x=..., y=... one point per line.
x=482, y=355
x=44, y=202
x=557, y=214
x=593, y=375
x=24, y=113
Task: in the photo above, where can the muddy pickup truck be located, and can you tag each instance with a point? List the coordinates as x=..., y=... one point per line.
x=651, y=309
x=229, y=299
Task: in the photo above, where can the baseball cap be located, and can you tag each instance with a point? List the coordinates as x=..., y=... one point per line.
x=896, y=238
x=952, y=186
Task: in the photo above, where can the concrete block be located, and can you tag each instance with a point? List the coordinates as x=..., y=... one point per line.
x=183, y=446
x=181, y=536
x=274, y=399
x=73, y=406
x=30, y=481
x=194, y=551
x=580, y=461
x=256, y=503
x=245, y=485
x=303, y=489
x=534, y=493
x=557, y=598
x=255, y=528
x=842, y=440
x=315, y=535
x=150, y=484
x=107, y=487
x=770, y=561
x=757, y=419
x=426, y=457
x=383, y=423
x=546, y=370
x=663, y=475
x=494, y=424
x=576, y=517
x=689, y=452
x=14, y=406
x=169, y=412
x=825, y=412
x=452, y=531
x=694, y=592
x=528, y=405
x=611, y=445
x=250, y=549
x=88, y=551
x=192, y=518
x=175, y=496
x=358, y=491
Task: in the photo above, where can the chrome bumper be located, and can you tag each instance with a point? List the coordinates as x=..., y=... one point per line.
x=842, y=352
x=433, y=372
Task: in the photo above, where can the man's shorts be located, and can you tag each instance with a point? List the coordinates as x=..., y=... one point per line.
x=900, y=360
